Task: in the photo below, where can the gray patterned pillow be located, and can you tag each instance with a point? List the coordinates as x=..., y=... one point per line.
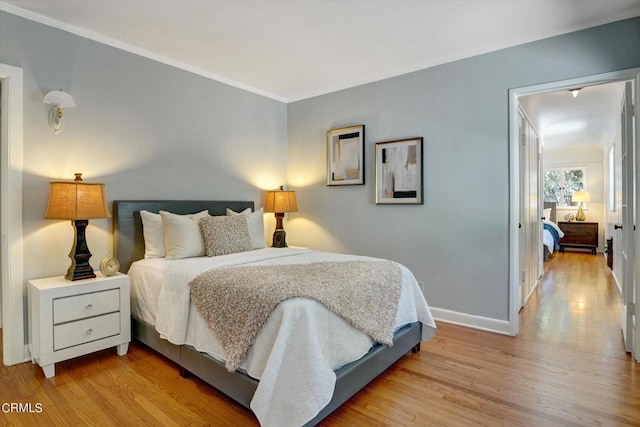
x=224, y=235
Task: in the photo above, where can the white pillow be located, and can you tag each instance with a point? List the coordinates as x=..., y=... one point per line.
x=255, y=221
x=153, y=235
x=182, y=237
x=547, y=214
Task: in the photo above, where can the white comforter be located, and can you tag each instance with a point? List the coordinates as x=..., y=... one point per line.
x=299, y=348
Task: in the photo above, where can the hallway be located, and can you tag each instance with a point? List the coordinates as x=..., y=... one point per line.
x=577, y=304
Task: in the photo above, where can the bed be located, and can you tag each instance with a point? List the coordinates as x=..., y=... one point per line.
x=267, y=397
x=551, y=233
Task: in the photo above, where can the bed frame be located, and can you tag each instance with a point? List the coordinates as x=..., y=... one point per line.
x=129, y=247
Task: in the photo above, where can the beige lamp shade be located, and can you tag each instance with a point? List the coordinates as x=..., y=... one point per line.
x=281, y=201
x=76, y=200
x=580, y=196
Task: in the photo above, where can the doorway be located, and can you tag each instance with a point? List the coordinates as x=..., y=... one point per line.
x=14, y=349
x=517, y=95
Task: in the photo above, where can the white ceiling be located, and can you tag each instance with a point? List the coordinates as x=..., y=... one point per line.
x=591, y=118
x=291, y=50
x=294, y=49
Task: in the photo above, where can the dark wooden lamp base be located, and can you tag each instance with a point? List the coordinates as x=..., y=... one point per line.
x=279, y=239
x=80, y=267
x=279, y=236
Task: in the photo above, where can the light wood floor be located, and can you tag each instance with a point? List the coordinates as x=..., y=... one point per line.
x=567, y=368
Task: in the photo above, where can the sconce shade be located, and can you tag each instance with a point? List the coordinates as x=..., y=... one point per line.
x=58, y=97
x=580, y=196
x=78, y=202
x=281, y=201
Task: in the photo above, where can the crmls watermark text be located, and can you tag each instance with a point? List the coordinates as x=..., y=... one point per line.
x=31, y=408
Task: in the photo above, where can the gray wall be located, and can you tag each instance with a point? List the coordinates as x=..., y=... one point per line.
x=149, y=130
x=145, y=129
x=457, y=242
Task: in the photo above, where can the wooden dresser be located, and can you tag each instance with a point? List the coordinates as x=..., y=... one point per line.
x=578, y=234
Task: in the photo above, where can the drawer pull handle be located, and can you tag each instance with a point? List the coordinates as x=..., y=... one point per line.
x=89, y=331
x=89, y=306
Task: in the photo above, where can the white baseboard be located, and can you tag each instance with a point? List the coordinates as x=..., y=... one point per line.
x=471, y=321
x=27, y=353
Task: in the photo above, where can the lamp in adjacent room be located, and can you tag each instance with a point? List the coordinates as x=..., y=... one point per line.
x=580, y=197
x=58, y=100
x=79, y=202
x=280, y=202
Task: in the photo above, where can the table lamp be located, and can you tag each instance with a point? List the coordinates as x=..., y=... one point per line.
x=79, y=202
x=580, y=197
x=279, y=202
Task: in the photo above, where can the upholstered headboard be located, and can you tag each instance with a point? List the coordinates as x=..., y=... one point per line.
x=127, y=224
x=551, y=205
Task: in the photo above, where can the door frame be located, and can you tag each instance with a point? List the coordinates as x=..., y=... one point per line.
x=11, y=246
x=515, y=173
x=629, y=218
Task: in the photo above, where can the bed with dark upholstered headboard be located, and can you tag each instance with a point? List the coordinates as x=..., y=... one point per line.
x=129, y=247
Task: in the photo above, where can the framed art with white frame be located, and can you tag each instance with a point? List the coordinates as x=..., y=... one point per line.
x=345, y=156
x=399, y=172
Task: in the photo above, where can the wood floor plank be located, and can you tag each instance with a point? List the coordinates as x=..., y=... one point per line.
x=567, y=367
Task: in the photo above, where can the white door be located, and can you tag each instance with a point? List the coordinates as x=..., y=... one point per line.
x=530, y=208
x=628, y=217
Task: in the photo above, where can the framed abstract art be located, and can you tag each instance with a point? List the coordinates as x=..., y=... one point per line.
x=345, y=156
x=399, y=172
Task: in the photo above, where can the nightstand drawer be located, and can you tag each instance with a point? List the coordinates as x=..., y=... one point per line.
x=85, y=305
x=83, y=331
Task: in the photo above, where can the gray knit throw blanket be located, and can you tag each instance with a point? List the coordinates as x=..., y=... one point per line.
x=237, y=301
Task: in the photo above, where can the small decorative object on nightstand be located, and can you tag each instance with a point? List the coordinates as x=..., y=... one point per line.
x=280, y=202
x=71, y=319
x=109, y=266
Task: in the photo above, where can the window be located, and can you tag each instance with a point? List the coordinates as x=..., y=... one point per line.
x=560, y=183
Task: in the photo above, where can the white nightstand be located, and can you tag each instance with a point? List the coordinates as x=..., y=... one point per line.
x=72, y=318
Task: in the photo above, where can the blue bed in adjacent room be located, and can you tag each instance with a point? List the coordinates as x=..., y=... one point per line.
x=551, y=233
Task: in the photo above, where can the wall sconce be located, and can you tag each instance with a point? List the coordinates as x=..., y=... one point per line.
x=280, y=202
x=58, y=101
x=575, y=91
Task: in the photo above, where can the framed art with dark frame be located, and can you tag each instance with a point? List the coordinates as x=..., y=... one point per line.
x=345, y=156
x=399, y=172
